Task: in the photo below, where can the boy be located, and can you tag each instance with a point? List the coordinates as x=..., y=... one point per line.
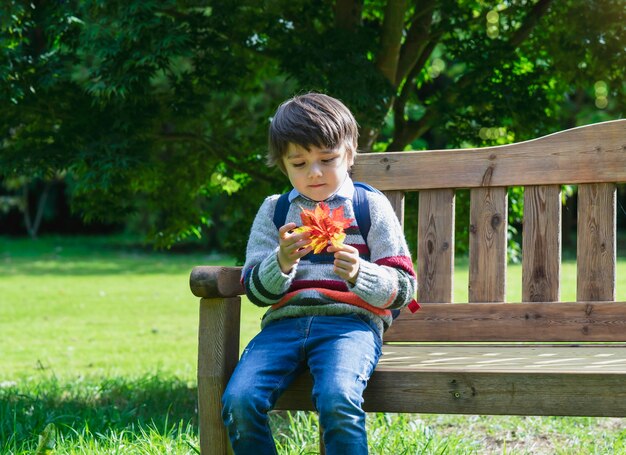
x=326, y=311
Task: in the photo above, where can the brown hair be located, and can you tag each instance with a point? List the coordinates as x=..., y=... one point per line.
x=313, y=119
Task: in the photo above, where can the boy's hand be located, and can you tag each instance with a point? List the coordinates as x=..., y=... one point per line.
x=347, y=262
x=292, y=246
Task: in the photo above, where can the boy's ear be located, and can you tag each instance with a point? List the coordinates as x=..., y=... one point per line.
x=350, y=153
x=351, y=156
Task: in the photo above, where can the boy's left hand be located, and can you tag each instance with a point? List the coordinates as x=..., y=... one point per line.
x=346, y=263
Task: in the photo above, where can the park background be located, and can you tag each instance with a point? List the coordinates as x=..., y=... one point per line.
x=132, y=148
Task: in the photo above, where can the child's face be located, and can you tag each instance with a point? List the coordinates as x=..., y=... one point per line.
x=316, y=173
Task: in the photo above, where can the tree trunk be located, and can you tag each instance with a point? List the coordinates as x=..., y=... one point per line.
x=391, y=39
x=32, y=227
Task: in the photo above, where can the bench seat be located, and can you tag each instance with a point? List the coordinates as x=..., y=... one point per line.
x=504, y=379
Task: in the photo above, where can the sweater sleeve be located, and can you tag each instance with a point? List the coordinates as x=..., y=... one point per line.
x=264, y=281
x=388, y=279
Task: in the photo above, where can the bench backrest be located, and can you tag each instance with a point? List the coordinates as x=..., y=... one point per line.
x=592, y=157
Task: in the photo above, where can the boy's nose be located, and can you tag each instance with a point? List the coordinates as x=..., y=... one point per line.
x=315, y=170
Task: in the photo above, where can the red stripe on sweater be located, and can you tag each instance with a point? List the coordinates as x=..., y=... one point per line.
x=324, y=284
x=398, y=262
x=338, y=296
x=361, y=248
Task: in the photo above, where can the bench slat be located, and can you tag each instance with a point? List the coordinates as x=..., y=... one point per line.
x=493, y=358
x=504, y=322
x=541, y=244
x=592, y=153
x=435, y=249
x=596, y=243
x=487, y=244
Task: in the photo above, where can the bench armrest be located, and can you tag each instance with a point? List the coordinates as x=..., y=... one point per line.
x=216, y=281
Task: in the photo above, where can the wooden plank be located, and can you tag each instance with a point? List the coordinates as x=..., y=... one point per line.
x=487, y=244
x=497, y=394
x=435, y=245
x=218, y=354
x=500, y=358
x=596, y=242
x=593, y=153
x=541, y=244
x=396, y=198
x=484, y=393
x=501, y=322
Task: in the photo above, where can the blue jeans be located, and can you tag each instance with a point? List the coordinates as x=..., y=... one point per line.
x=340, y=352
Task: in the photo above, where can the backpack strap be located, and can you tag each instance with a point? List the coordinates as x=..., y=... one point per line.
x=362, y=207
x=363, y=220
x=280, y=212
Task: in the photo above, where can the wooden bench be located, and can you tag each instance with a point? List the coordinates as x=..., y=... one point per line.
x=466, y=358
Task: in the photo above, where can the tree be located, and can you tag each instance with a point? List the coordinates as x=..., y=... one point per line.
x=110, y=92
x=454, y=67
x=165, y=105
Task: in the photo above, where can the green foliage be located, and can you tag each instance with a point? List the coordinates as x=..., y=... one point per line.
x=158, y=111
x=332, y=60
x=526, y=86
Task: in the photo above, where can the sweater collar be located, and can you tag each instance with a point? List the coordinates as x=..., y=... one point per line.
x=345, y=191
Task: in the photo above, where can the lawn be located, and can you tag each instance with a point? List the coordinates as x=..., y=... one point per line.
x=98, y=338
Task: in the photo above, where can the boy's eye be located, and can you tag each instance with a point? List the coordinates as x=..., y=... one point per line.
x=329, y=160
x=297, y=164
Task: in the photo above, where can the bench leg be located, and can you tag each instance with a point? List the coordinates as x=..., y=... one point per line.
x=218, y=353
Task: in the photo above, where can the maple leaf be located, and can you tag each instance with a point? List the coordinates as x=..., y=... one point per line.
x=325, y=226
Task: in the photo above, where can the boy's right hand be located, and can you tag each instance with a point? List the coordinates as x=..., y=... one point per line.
x=292, y=247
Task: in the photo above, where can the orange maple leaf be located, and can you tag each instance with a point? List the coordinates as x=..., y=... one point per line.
x=325, y=226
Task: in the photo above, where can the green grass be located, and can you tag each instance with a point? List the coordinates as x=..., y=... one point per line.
x=98, y=338
x=85, y=306
x=99, y=415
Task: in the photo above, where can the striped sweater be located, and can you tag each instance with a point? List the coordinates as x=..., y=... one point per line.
x=386, y=278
